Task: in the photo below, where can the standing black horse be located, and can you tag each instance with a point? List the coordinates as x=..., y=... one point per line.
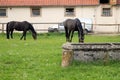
x=20, y=26
x=72, y=25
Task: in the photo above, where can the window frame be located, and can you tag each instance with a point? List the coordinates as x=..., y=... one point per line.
x=32, y=13
x=69, y=13
x=3, y=13
x=108, y=13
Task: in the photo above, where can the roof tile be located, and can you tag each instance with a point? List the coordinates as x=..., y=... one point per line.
x=47, y=2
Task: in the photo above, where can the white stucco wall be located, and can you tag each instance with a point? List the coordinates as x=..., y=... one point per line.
x=113, y=20
x=48, y=14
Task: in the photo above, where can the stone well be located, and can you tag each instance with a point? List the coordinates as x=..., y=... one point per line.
x=90, y=52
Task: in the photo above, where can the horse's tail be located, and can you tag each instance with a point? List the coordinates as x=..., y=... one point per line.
x=7, y=30
x=34, y=34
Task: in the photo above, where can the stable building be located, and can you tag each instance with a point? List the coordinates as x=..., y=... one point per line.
x=105, y=14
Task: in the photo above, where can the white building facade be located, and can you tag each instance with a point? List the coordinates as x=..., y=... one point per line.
x=105, y=17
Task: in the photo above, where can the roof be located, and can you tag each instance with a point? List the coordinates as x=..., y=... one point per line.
x=118, y=1
x=48, y=2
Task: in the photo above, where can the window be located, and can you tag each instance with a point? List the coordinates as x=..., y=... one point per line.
x=104, y=1
x=106, y=12
x=2, y=12
x=69, y=12
x=35, y=11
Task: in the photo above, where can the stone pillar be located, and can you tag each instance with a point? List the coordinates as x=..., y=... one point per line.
x=106, y=57
x=67, y=55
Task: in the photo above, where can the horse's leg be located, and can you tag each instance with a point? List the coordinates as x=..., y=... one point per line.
x=11, y=34
x=79, y=35
x=66, y=34
x=72, y=36
x=7, y=33
x=24, y=34
x=69, y=34
x=21, y=37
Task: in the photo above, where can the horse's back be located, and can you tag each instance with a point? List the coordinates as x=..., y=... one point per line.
x=69, y=23
x=26, y=23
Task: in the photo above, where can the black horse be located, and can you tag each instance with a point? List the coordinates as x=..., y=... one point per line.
x=20, y=26
x=72, y=25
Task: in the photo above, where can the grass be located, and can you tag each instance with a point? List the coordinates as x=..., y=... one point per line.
x=41, y=59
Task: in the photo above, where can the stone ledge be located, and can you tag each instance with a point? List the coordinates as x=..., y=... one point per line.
x=91, y=46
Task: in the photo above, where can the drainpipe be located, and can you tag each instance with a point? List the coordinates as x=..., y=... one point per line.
x=95, y=18
x=116, y=18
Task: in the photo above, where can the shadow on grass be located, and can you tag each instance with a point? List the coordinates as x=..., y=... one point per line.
x=96, y=63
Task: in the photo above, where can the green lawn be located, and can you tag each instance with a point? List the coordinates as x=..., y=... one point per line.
x=41, y=59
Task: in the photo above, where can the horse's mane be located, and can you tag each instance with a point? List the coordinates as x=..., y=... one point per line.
x=31, y=27
x=80, y=26
x=78, y=22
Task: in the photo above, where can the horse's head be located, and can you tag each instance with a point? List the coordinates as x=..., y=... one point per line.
x=34, y=36
x=82, y=37
x=82, y=41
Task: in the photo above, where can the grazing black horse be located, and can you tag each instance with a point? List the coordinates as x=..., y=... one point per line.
x=20, y=26
x=72, y=25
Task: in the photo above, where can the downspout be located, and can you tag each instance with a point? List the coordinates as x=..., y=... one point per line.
x=116, y=19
